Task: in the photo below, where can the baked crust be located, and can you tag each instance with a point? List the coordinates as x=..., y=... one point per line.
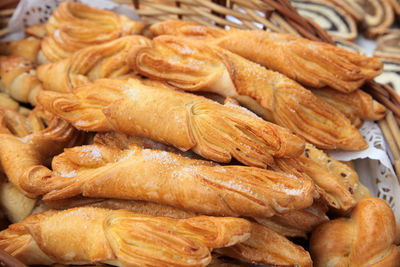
x=193, y=66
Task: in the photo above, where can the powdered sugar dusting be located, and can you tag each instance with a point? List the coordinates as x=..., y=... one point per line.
x=92, y=151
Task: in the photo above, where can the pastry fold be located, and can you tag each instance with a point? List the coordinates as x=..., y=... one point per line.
x=193, y=66
x=337, y=183
x=367, y=238
x=121, y=238
x=313, y=64
x=98, y=61
x=100, y=171
x=27, y=48
x=18, y=79
x=357, y=106
x=26, y=144
x=73, y=26
x=185, y=121
x=264, y=245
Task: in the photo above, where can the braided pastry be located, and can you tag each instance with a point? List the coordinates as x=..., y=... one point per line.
x=18, y=79
x=22, y=158
x=191, y=66
x=313, y=64
x=121, y=238
x=357, y=106
x=99, y=61
x=364, y=239
x=214, y=131
x=27, y=48
x=73, y=26
x=163, y=177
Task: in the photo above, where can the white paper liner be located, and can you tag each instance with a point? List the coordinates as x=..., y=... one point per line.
x=372, y=164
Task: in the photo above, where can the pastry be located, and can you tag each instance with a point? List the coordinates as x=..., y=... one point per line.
x=7, y=102
x=391, y=74
x=357, y=106
x=214, y=131
x=119, y=237
x=374, y=16
x=24, y=148
x=100, y=171
x=73, y=26
x=396, y=6
x=388, y=45
x=364, y=239
x=313, y=64
x=27, y=48
x=264, y=246
x=331, y=18
x=297, y=223
x=18, y=79
x=98, y=61
x=194, y=66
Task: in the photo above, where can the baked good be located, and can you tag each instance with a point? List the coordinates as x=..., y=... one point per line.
x=374, y=16
x=391, y=74
x=97, y=61
x=264, y=246
x=26, y=144
x=329, y=17
x=119, y=237
x=100, y=171
x=18, y=79
x=364, y=239
x=73, y=26
x=357, y=106
x=194, y=66
x=27, y=48
x=313, y=64
x=214, y=131
x=388, y=45
x=297, y=223
x=396, y=6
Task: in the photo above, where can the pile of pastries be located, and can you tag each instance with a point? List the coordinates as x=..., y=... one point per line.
x=177, y=144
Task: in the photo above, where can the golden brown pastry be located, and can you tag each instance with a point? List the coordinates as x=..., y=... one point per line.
x=73, y=26
x=106, y=60
x=27, y=48
x=185, y=121
x=100, y=171
x=374, y=16
x=121, y=238
x=337, y=183
x=7, y=102
x=194, y=66
x=25, y=145
x=364, y=239
x=18, y=79
x=263, y=247
x=313, y=64
x=396, y=6
x=357, y=106
x=299, y=222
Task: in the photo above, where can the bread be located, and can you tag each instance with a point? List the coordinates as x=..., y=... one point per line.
x=99, y=171
x=333, y=19
x=27, y=48
x=364, y=239
x=18, y=79
x=264, y=246
x=214, y=131
x=93, y=235
x=391, y=74
x=297, y=223
x=388, y=45
x=73, y=26
x=375, y=16
x=97, y=61
x=23, y=158
x=313, y=64
x=194, y=66
x=357, y=106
